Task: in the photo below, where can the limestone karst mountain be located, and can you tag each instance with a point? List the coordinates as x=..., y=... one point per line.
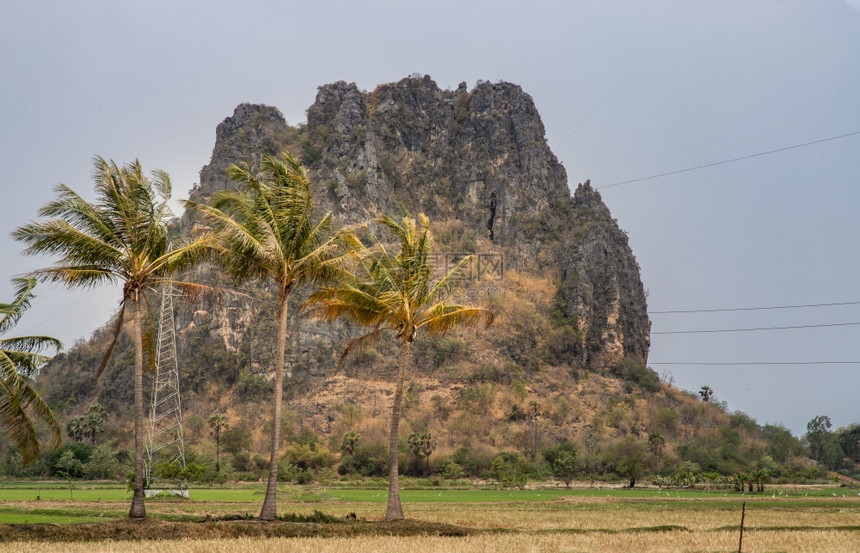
x=554, y=265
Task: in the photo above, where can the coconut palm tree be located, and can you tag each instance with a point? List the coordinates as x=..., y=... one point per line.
x=217, y=422
x=266, y=232
x=20, y=359
x=121, y=237
x=396, y=293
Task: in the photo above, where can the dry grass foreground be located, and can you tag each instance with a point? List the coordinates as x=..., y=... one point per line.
x=832, y=541
x=571, y=525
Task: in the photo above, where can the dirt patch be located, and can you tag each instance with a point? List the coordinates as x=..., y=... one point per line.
x=152, y=529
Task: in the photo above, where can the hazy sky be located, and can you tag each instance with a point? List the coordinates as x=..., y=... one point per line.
x=674, y=85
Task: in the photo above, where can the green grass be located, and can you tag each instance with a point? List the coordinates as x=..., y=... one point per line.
x=248, y=493
x=52, y=516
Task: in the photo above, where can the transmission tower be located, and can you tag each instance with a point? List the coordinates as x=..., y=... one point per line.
x=165, y=441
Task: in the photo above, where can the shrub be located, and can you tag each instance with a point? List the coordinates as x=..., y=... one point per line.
x=371, y=459
x=634, y=371
x=562, y=462
x=307, y=457
x=474, y=461
x=510, y=469
x=252, y=387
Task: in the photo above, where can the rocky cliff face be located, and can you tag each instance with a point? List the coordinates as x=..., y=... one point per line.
x=475, y=159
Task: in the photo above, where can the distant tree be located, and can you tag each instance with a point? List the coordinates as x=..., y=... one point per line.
x=563, y=462
x=20, y=359
x=75, y=428
x=655, y=443
x=510, y=468
x=781, y=444
x=422, y=446
x=69, y=467
x=191, y=472
x=396, y=293
x=849, y=440
x=93, y=423
x=235, y=439
x=121, y=237
x=823, y=444
x=706, y=393
x=218, y=422
x=631, y=459
x=102, y=464
x=350, y=440
x=764, y=470
x=687, y=473
x=591, y=440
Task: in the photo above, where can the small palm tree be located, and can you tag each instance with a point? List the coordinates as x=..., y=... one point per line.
x=350, y=441
x=706, y=392
x=266, y=232
x=75, y=428
x=119, y=238
x=94, y=422
x=396, y=293
x=218, y=422
x=20, y=359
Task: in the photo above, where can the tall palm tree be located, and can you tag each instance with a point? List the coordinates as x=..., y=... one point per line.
x=119, y=238
x=266, y=232
x=217, y=422
x=20, y=359
x=396, y=293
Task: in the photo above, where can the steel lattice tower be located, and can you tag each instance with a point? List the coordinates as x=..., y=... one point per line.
x=165, y=441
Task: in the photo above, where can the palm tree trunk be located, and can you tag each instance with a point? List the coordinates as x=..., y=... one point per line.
x=138, y=510
x=394, y=511
x=269, y=509
x=218, y=450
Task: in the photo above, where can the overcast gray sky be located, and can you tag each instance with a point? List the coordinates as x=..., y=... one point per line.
x=674, y=85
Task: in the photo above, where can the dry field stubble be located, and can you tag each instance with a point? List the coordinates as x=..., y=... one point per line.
x=640, y=542
x=570, y=525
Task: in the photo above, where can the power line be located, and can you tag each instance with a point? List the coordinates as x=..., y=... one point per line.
x=723, y=162
x=767, y=308
x=740, y=363
x=584, y=121
x=753, y=329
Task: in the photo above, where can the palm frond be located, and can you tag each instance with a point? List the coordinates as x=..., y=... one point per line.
x=444, y=283
x=441, y=317
x=17, y=401
x=116, y=325
x=12, y=312
x=363, y=341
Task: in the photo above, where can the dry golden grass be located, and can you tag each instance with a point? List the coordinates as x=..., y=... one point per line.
x=528, y=517
x=640, y=542
x=575, y=524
